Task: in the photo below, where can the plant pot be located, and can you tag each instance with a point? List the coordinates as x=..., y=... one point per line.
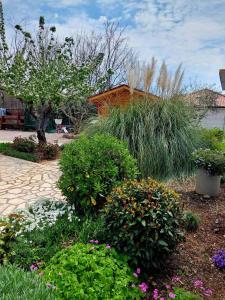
x=58, y=121
x=207, y=184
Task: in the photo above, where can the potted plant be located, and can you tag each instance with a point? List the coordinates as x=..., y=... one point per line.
x=211, y=166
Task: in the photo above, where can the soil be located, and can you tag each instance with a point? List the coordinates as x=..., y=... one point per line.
x=193, y=259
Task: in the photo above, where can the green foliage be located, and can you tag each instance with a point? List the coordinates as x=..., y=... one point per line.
x=213, y=138
x=91, y=272
x=161, y=135
x=8, y=230
x=48, y=151
x=182, y=294
x=6, y=149
x=24, y=145
x=41, y=244
x=16, y=284
x=91, y=167
x=212, y=161
x=191, y=221
x=143, y=220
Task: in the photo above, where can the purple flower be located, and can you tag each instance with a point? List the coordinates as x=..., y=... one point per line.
x=176, y=278
x=143, y=287
x=33, y=267
x=207, y=292
x=138, y=271
x=155, y=294
x=219, y=259
x=172, y=295
x=94, y=241
x=108, y=246
x=198, y=284
x=168, y=286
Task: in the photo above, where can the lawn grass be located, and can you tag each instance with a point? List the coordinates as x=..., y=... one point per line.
x=6, y=149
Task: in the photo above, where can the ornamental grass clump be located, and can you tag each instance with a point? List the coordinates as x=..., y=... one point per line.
x=161, y=134
x=91, y=272
x=91, y=167
x=143, y=220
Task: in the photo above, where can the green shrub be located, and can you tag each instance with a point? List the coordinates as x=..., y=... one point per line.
x=39, y=245
x=27, y=145
x=213, y=138
x=91, y=272
x=182, y=294
x=91, y=167
x=6, y=149
x=16, y=284
x=212, y=161
x=143, y=220
x=48, y=151
x=8, y=229
x=160, y=134
x=191, y=221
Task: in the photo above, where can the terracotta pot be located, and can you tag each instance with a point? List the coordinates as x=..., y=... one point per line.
x=207, y=184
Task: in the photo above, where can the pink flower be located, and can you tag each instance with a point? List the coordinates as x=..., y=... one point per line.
x=162, y=298
x=108, y=246
x=198, y=284
x=135, y=275
x=143, y=287
x=207, y=292
x=33, y=267
x=176, y=278
x=168, y=286
x=172, y=295
x=138, y=271
x=155, y=294
x=96, y=242
x=92, y=241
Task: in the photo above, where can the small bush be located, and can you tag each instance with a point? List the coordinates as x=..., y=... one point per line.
x=191, y=221
x=212, y=138
x=212, y=161
x=143, y=220
x=91, y=272
x=27, y=145
x=91, y=167
x=16, y=284
x=48, y=151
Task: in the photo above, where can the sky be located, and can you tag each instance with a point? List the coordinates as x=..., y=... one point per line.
x=191, y=32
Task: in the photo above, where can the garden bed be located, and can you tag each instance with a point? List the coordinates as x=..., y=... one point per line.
x=193, y=260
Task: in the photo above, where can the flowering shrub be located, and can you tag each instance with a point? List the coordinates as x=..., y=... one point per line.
x=143, y=220
x=219, y=259
x=211, y=160
x=44, y=213
x=8, y=230
x=17, y=284
x=91, y=167
x=91, y=272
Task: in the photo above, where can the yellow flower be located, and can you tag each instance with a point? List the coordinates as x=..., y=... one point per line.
x=93, y=201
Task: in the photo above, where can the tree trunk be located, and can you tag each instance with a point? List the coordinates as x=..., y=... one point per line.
x=42, y=122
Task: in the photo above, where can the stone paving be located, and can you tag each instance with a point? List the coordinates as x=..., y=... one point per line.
x=23, y=182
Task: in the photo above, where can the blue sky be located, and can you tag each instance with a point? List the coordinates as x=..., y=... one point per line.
x=187, y=31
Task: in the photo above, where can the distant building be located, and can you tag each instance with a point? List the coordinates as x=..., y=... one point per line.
x=212, y=105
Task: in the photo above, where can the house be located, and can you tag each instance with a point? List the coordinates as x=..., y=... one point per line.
x=118, y=96
x=212, y=104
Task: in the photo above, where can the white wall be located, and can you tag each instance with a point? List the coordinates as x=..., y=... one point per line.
x=214, y=118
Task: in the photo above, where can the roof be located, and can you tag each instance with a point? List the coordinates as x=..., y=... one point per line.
x=115, y=90
x=208, y=97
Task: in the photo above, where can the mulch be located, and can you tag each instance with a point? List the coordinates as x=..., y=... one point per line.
x=193, y=258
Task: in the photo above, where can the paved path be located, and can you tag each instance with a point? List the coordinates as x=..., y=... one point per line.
x=22, y=182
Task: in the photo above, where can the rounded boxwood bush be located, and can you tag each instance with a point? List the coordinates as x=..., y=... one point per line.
x=91, y=167
x=143, y=220
x=91, y=272
x=16, y=284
